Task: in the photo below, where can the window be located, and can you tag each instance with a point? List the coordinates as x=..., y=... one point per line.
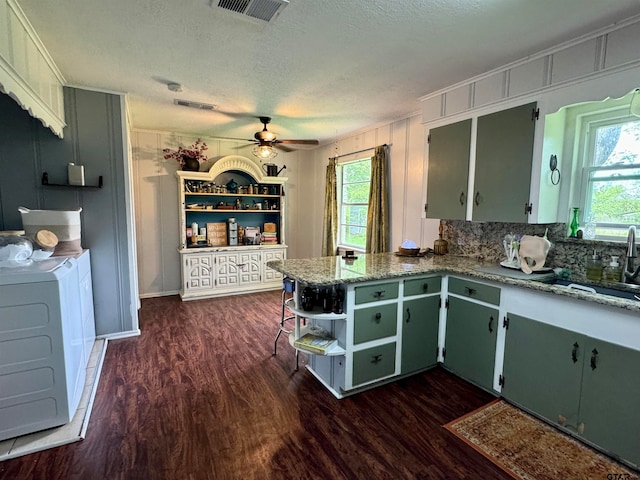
x=611, y=173
x=354, y=181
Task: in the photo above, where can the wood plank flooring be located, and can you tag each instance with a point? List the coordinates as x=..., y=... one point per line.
x=199, y=395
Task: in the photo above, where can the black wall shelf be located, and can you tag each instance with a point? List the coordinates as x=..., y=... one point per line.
x=45, y=182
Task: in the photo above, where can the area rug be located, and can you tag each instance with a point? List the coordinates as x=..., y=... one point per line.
x=529, y=449
x=73, y=431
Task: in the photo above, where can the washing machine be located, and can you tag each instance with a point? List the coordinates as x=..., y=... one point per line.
x=44, y=337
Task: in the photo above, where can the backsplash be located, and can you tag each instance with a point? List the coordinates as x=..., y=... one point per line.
x=483, y=240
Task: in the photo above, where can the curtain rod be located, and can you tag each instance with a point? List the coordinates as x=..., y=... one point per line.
x=360, y=151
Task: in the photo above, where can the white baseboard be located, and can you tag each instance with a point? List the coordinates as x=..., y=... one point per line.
x=117, y=335
x=158, y=294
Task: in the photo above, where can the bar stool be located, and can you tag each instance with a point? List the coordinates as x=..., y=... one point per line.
x=288, y=291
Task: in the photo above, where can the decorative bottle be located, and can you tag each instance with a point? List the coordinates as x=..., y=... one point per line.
x=574, y=223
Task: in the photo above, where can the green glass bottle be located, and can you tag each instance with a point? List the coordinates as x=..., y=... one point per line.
x=574, y=223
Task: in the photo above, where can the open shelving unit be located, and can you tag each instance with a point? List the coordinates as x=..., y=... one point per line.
x=301, y=328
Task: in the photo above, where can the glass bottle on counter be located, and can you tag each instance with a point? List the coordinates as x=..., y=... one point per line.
x=574, y=223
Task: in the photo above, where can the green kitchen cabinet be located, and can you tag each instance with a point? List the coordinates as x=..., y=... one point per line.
x=609, y=403
x=470, y=340
x=448, y=171
x=588, y=386
x=419, y=333
x=542, y=369
x=504, y=153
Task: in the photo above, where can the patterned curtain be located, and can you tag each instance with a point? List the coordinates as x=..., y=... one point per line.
x=330, y=225
x=378, y=215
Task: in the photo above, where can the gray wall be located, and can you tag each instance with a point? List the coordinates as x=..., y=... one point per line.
x=93, y=138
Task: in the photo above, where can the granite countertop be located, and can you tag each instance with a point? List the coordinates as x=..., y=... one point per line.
x=326, y=271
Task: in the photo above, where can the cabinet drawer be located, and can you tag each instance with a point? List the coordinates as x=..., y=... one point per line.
x=374, y=293
x=374, y=322
x=420, y=286
x=373, y=363
x=477, y=291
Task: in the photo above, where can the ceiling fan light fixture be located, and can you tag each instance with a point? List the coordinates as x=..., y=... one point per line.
x=265, y=152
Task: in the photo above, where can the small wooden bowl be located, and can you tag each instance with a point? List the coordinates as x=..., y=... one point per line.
x=408, y=251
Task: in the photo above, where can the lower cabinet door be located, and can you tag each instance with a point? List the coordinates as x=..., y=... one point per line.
x=609, y=412
x=470, y=341
x=543, y=369
x=419, y=333
x=374, y=363
x=198, y=272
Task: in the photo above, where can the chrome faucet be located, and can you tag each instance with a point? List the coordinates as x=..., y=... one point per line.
x=628, y=275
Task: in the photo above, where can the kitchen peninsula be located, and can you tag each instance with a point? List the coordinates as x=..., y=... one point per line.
x=560, y=353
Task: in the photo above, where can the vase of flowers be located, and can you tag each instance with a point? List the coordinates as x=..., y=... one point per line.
x=189, y=158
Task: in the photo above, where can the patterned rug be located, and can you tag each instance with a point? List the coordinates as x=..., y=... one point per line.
x=529, y=449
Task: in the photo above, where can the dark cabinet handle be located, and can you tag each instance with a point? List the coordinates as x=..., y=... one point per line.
x=490, y=323
x=408, y=315
x=379, y=294
x=425, y=287
x=378, y=317
x=477, y=199
x=594, y=357
x=462, y=198
x=469, y=291
x=376, y=359
x=574, y=352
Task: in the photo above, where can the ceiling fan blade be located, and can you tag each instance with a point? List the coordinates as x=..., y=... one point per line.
x=300, y=142
x=282, y=147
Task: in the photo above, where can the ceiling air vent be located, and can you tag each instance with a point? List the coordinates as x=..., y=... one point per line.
x=190, y=104
x=264, y=10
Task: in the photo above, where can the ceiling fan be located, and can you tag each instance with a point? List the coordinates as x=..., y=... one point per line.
x=266, y=142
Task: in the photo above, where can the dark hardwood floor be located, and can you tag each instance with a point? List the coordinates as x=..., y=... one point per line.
x=199, y=395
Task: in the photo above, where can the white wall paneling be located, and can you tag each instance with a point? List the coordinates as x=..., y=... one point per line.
x=604, y=51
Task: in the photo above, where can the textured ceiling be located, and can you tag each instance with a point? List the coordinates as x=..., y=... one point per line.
x=320, y=69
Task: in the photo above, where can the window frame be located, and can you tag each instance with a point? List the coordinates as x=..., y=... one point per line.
x=339, y=187
x=586, y=135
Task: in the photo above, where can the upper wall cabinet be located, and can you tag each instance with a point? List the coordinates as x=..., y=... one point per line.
x=504, y=151
x=27, y=72
x=449, y=149
x=501, y=162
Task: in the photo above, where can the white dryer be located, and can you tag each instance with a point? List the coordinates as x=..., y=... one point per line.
x=45, y=342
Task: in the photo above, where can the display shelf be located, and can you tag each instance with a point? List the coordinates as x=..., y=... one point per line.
x=45, y=182
x=209, y=268
x=211, y=194
x=230, y=210
x=332, y=351
x=300, y=330
x=314, y=314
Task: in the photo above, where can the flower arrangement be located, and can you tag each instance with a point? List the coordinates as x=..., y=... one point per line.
x=194, y=151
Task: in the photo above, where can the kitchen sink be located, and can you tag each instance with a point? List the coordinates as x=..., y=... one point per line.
x=627, y=291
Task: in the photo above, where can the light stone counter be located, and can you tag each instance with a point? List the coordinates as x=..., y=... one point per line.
x=326, y=271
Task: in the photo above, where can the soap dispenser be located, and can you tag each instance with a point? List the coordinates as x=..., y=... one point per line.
x=594, y=268
x=613, y=271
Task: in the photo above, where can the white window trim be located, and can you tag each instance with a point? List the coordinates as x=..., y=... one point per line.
x=342, y=246
x=586, y=124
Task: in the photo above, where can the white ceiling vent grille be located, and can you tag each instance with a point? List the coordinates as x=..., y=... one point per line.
x=264, y=10
x=191, y=104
